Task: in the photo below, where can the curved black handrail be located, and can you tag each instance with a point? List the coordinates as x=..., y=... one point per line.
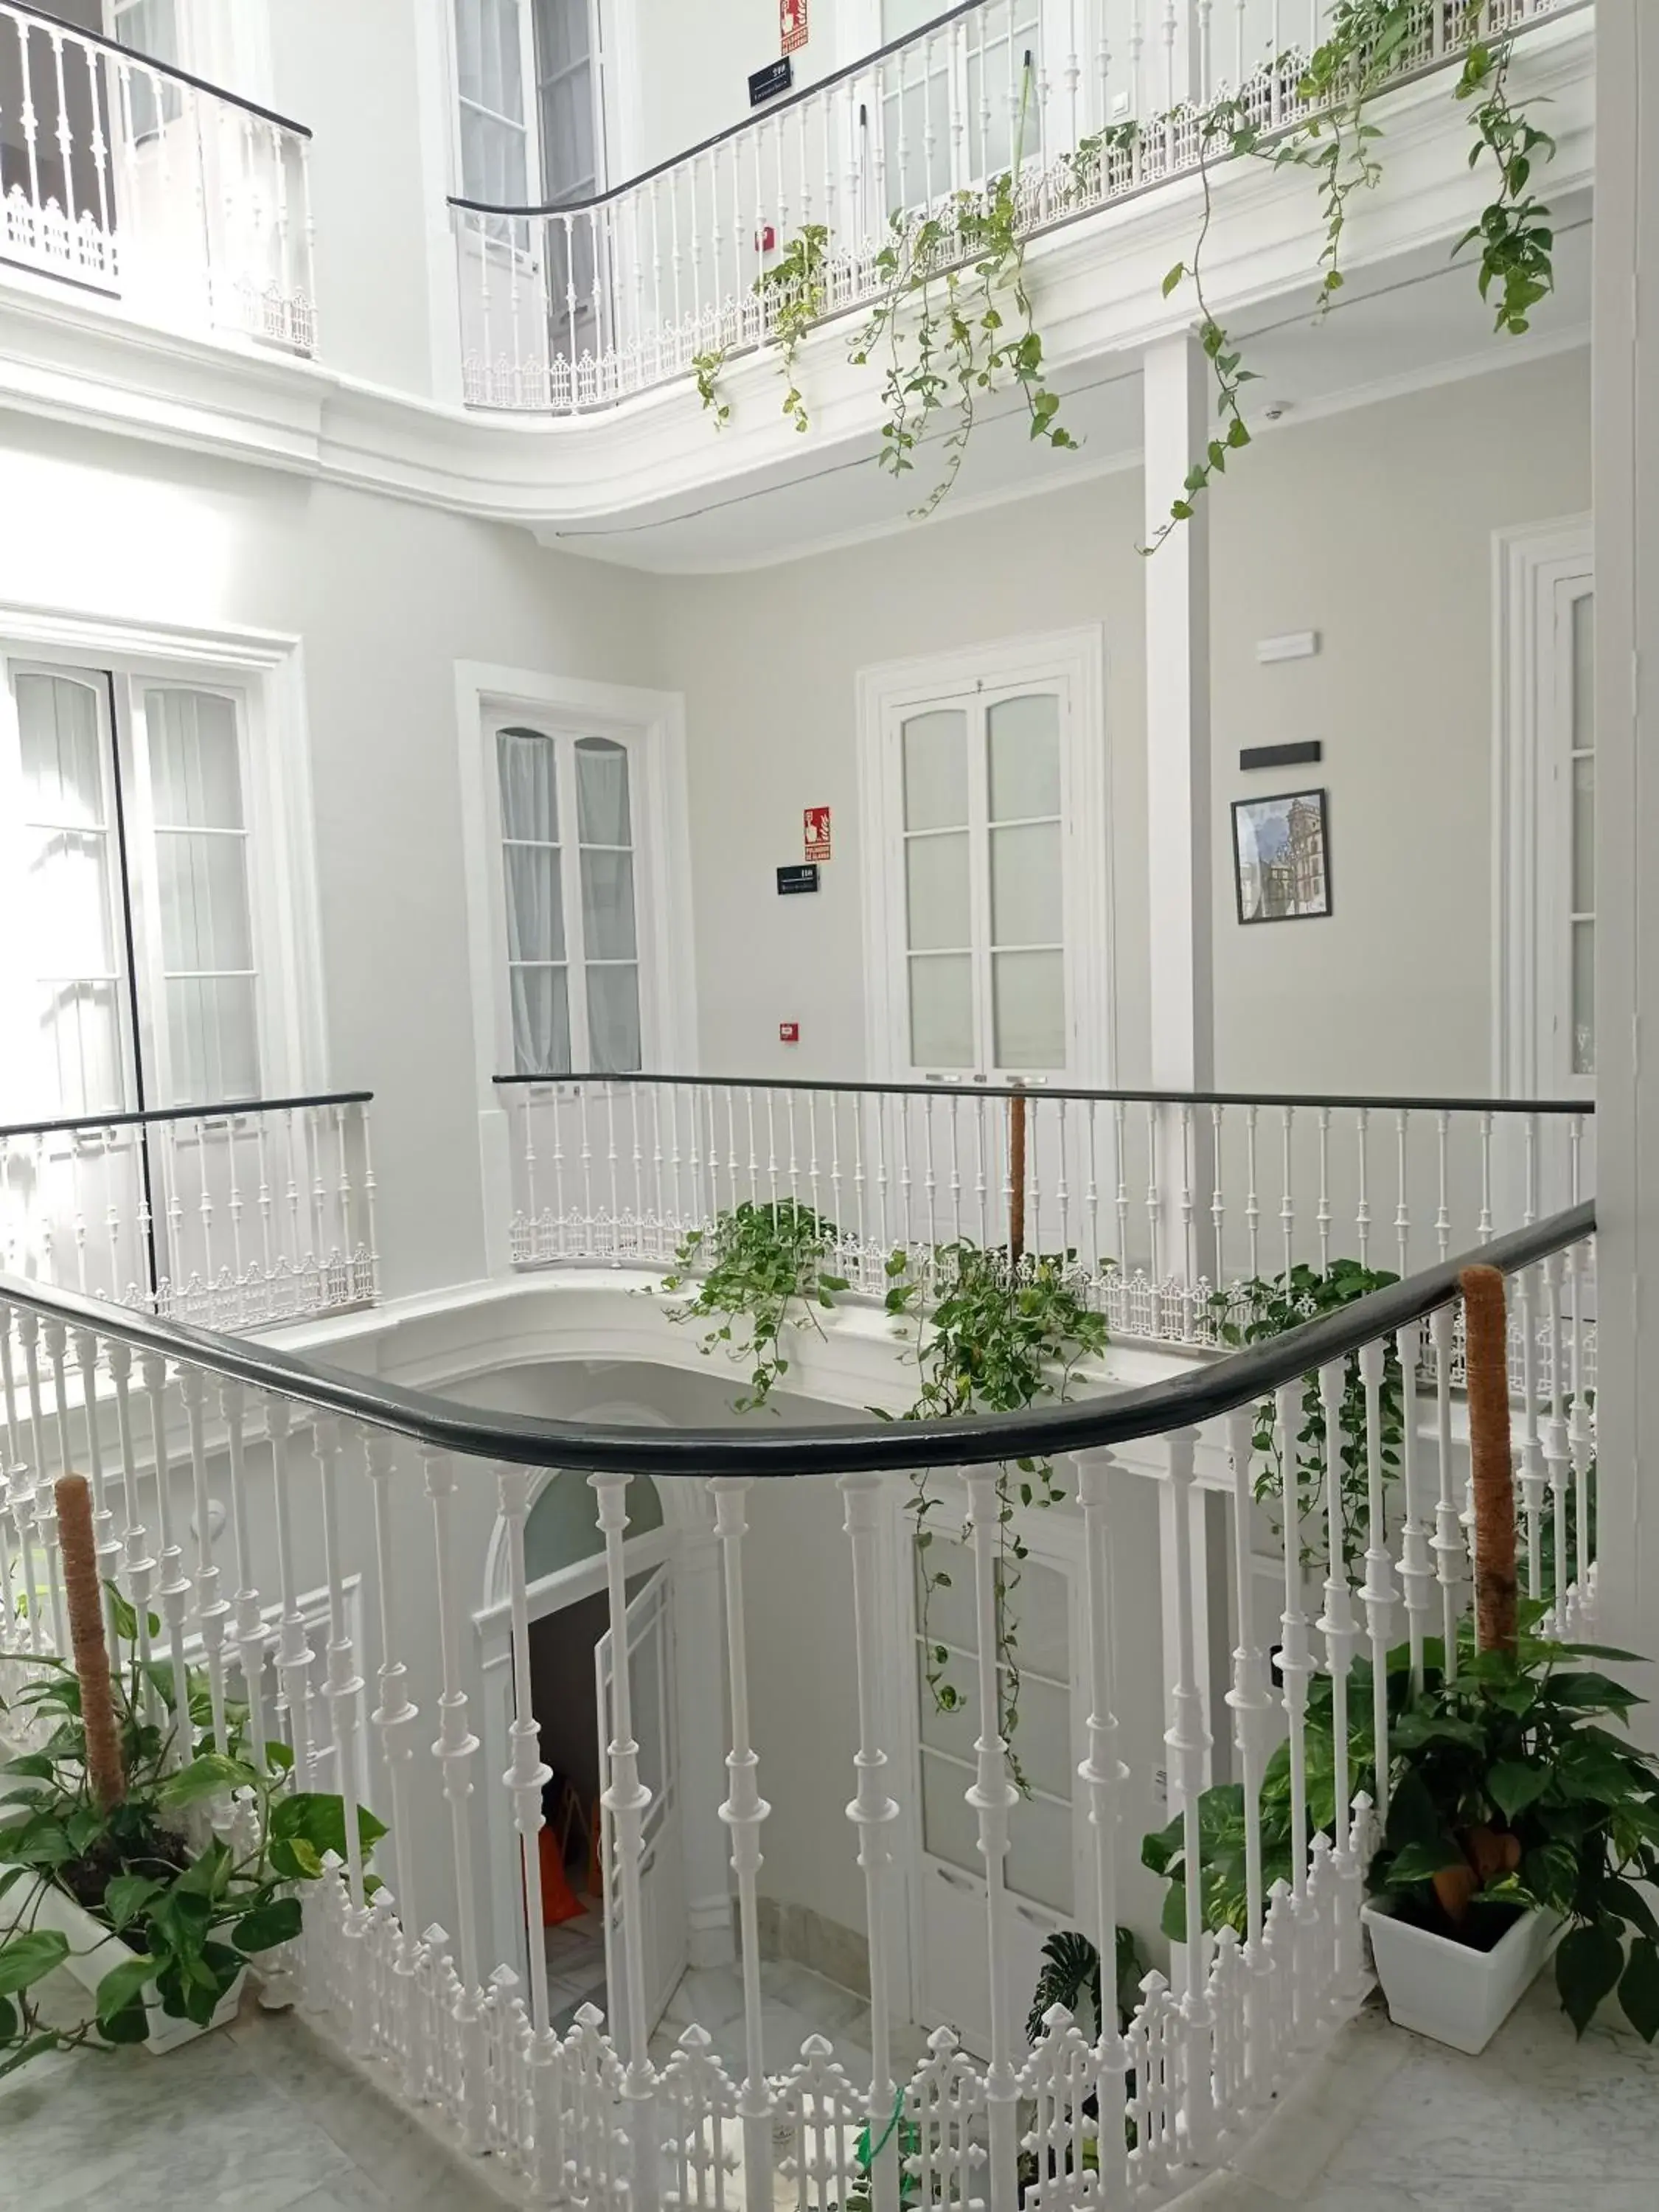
x=171, y=69
x=773, y=108
x=1037, y=1091
x=227, y=1110
x=1222, y=1386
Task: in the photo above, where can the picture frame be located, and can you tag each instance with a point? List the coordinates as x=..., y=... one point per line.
x=1282, y=857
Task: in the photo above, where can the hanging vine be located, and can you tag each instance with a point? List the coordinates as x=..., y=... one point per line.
x=956, y=321
x=765, y=1265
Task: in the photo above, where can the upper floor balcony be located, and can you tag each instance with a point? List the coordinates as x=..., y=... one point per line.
x=178, y=204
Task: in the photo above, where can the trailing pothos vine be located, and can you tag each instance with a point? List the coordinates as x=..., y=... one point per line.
x=988, y=1337
x=1337, y=144
x=956, y=321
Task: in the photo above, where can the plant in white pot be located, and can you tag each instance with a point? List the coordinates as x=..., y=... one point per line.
x=134, y=1853
x=1519, y=1819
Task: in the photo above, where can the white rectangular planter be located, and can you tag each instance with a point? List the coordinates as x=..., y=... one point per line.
x=93, y=1953
x=1448, y=1992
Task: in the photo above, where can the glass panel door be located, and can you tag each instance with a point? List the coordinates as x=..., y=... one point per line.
x=662, y=1931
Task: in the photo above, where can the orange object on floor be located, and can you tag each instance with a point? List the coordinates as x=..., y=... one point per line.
x=559, y=1900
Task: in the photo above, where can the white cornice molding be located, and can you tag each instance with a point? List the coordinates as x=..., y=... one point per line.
x=66, y=358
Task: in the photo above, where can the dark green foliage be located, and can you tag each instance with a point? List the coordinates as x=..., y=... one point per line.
x=759, y=1263
x=193, y=1912
x=1071, y=1972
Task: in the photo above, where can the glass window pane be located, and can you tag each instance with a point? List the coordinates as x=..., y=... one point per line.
x=1025, y=885
x=950, y=1616
x=937, y=898
x=608, y=905
x=79, y=1054
x=1584, y=833
x=1045, y=1640
x=1028, y=990
x=1584, y=998
x=535, y=904
x=602, y=813
x=62, y=764
x=1044, y=1735
x=949, y=1829
x=613, y=1019
x=941, y=1010
x=195, y=762
x=529, y=785
x=202, y=889
x=936, y=769
x=1039, y=1852
x=213, y=1039
x=69, y=907
x=1583, y=672
x=469, y=48
x=541, y=1021
x=1024, y=758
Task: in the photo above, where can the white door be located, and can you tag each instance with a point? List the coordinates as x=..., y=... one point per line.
x=952, y=1965
x=662, y=1932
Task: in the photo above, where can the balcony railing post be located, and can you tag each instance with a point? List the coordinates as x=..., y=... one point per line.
x=992, y=1798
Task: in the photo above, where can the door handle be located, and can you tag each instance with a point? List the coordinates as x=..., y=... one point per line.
x=955, y=1879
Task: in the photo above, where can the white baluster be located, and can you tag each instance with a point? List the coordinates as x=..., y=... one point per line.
x=1187, y=1741
x=454, y=1750
x=1557, y=1461
x=1417, y=1558
x=1251, y=1702
x=174, y=1592
x=249, y=1631
x=744, y=1812
x=992, y=1798
x=871, y=1811
x=1287, y=1203
x=294, y=1655
x=44, y=1501
x=1103, y=1775
x=394, y=1717
x=627, y=1799
x=1443, y=1212
x=1296, y=1668
x=1378, y=1592
x=210, y=1608
x=1448, y=1540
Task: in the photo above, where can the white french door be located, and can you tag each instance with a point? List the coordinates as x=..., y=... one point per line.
x=662, y=1932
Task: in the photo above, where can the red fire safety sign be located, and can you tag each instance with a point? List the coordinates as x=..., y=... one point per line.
x=792, y=22
x=816, y=823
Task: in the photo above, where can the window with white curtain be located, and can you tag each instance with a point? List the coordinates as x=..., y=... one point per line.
x=126, y=893
x=568, y=838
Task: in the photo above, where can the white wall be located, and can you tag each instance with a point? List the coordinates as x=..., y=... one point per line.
x=692, y=60
x=387, y=598
x=1372, y=526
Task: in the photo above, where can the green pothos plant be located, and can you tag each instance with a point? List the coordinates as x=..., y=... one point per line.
x=1338, y=145
x=991, y=1337
x=1254, y=1312
x=192, y=1909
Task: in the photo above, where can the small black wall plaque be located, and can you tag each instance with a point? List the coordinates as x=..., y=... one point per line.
x=1302, y=756
x=767, y=83
x=803, y=877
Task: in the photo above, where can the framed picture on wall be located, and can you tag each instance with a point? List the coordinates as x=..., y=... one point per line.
x=1281, y=857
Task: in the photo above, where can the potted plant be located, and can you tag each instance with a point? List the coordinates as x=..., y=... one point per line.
x=1515, y=1811
x=134, y=1854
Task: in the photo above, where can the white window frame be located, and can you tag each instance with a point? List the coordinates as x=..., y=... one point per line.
x=530, y=94
x=652, y=725
x=1073, y=662
x=261, y=671
x=1535, y=572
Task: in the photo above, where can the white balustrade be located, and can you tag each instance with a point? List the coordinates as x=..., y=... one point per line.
x=603, y=2116
x=890, y=1168
x=238, y=1217
x=573, y=307
x=127, y=178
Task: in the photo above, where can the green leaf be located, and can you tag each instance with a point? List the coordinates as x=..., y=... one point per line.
x=127, y=1895
x=29, y=1958
x=1588, y=1967
x=211, y=1775
x=268, y=1925
x=1513, y=1785
x=278, y=1757
x=295, y=1859
x=1174, y=278
x=123, y=1985
x=1638, y=1988
x=34, y=1763
x=1420, y=1862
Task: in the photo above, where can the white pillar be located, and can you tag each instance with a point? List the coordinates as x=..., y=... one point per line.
x=702, y=1751
x=1175, y=387
x=1626, y=500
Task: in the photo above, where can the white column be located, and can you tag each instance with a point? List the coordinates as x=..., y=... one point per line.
x=1102, y=1774
x=1626, y=502
x=1175, y=389
x=992, y=1798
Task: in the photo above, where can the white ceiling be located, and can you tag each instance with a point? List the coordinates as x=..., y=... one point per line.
x=1412, y=321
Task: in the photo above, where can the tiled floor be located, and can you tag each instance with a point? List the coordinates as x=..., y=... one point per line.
x=575, y=1966
x=266, y=2117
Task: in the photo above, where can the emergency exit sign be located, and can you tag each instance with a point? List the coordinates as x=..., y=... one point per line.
x=792, y=25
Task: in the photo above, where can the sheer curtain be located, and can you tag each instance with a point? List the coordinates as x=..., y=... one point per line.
x=610, y=939
x=537, y=967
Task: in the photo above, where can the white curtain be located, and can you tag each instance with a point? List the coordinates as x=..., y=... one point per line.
x=538, y=974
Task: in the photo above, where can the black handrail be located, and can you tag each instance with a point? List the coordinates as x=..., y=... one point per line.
x=1036, y=1090
x=227, y=1109
x=1219, y=1387
x=160, y=69
x=733, y=130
